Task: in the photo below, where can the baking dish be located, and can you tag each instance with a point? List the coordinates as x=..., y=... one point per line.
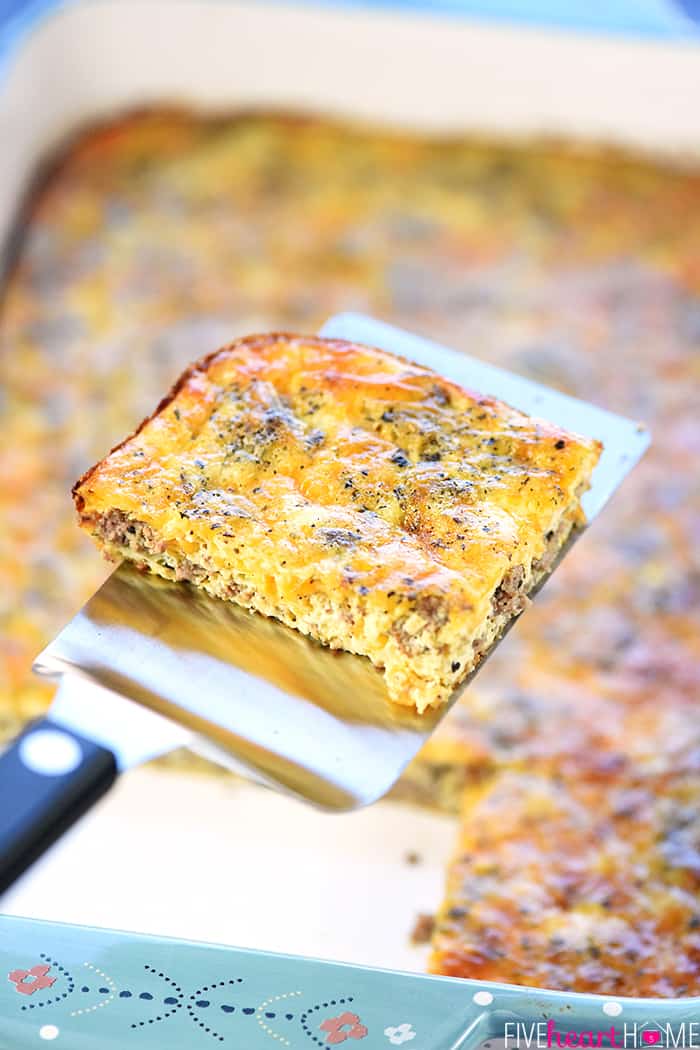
x=632, y=91
x=91, y=986
x=66, y=64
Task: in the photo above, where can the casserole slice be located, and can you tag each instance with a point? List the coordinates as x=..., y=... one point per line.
x=353, y=495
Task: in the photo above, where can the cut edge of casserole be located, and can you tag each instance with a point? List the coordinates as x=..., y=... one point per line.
x=355, y=496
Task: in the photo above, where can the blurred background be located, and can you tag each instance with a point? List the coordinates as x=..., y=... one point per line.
x=155, y=232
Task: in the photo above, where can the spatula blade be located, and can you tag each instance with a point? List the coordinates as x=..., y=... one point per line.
x=133, y=733
x=300, y=717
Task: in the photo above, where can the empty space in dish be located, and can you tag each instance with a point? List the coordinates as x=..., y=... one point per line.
x=240, y=865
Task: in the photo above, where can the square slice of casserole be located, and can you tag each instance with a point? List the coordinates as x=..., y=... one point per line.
x=362, y=499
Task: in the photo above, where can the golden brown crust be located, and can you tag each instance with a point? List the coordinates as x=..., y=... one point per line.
x=352, y=494
x=586, y=883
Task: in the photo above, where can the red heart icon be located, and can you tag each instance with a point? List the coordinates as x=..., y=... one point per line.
x=650, y=1038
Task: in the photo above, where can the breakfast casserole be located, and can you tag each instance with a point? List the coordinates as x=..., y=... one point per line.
x=587, y=883
x=360, y=498
x=160, y=234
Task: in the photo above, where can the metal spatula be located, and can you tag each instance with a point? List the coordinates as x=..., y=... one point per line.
x=147, y=666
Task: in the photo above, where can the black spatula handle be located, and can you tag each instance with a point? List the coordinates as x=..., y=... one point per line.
x=49, y=777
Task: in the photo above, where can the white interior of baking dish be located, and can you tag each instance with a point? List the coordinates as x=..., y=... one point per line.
x=231, y=858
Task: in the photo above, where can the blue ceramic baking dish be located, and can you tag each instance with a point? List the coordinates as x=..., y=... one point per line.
x=88, y=989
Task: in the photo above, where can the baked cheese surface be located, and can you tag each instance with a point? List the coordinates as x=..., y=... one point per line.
x=586, y=883
x=356, y=496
